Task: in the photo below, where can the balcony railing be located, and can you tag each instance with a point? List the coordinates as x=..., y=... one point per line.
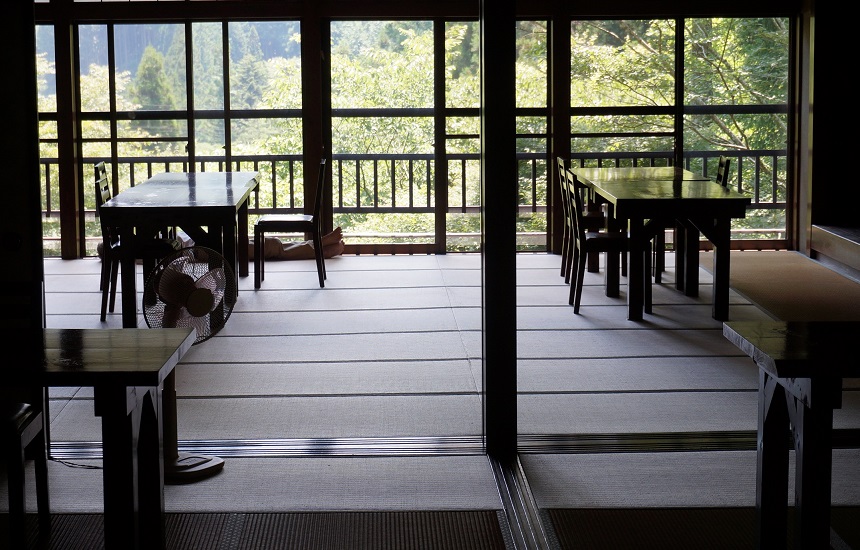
x=370, y=184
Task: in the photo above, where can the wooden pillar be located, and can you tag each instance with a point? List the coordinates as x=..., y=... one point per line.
x=22, y=294
x=499, y=201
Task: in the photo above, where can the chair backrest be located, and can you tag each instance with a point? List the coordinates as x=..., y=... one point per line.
x=575, y=206
x=723, y=171
x=103, y=189
x=565, y=201
x=104, y=193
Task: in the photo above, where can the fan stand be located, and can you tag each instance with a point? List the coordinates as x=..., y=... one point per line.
x=181, y=467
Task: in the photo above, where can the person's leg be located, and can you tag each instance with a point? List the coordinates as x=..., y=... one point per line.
x=333, y=238
x=331, y=250
x=275, y=249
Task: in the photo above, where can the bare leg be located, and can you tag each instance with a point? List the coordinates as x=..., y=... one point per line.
x=275, y=249
x=334, y=237
x=331, y=250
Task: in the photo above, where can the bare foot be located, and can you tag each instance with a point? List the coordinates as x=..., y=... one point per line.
x=333, y=238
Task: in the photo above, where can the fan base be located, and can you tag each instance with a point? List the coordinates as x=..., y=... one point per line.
x=187, y=468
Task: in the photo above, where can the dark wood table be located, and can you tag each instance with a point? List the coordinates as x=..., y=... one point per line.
x=211, y=207
x=801, y=367
x=127, y=370
x=663, y=194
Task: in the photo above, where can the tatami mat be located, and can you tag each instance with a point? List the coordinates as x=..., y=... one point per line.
x=694, y=479
x=298, y=484
x=391, y=348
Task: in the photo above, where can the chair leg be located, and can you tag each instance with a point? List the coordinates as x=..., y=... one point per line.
x=258, y=257
x=659, y=255
x=104, y=286
x=43, y=502
x=576, y=288
x=568, y=266
x=565, y=243
x=17, y=495
x=320, y=258
x=593, y=262
x=114, y=275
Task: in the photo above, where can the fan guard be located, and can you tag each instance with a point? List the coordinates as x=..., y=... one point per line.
x=193, y=287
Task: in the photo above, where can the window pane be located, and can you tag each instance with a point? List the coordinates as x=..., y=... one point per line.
x=265, y=65
x=531, y=70
x=622, y=63
x=382, y=64
x=736, y=73
x=154, y=57
x=462, y=65
x=208, y=52
x=46, y=74
x=95, y=76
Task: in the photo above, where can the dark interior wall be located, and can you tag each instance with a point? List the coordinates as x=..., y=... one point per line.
x=835, y=191
x=22, y=276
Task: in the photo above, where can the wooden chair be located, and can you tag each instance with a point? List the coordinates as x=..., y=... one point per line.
x=659, y=258
x=293, y=223
x=613, y=243
x=593, y=220
x=22, y=432
x=111, y=252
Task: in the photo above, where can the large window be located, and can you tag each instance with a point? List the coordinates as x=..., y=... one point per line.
x=405, y=150
x=735, y=102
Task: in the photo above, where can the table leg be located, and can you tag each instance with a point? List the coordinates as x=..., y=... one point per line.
x=680, y=245
x=128, y=278
x=639, y=248
x=772, y=465
x=812, y=428
x=611, y=275
x=228, y=237
x=690, y=260
x=720, y=239
x=242, y=238
x=150, y=467
x=130, y=520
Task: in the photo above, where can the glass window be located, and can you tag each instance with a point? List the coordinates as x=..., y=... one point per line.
x=736, y=79
x=622, y=62
x=154, y=57
x=265, y=65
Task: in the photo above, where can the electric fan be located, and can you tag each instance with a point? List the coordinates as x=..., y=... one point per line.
x=193, y=287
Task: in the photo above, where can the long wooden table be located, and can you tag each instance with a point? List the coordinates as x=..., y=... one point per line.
x=211, y=207
x=660, y=195
x=801, y=367
x=127, y=370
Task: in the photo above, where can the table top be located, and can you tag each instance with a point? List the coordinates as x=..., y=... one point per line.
x=637, y=173
x=635, y=194
x=798, y=349
x=94, y=357
x=178, y=190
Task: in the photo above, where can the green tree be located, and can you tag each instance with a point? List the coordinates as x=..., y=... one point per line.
x=153, y=92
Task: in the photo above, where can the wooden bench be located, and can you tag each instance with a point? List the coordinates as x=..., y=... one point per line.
x=838, y=247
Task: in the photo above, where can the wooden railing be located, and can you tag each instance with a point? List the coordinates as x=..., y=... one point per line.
x=389, y=184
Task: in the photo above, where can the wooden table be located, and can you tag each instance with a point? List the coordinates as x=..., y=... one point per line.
x=211, y=207
x=661, y=195
x=801, y=367
x=127, y=370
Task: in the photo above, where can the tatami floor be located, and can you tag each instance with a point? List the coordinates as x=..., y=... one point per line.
x=365, y=394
